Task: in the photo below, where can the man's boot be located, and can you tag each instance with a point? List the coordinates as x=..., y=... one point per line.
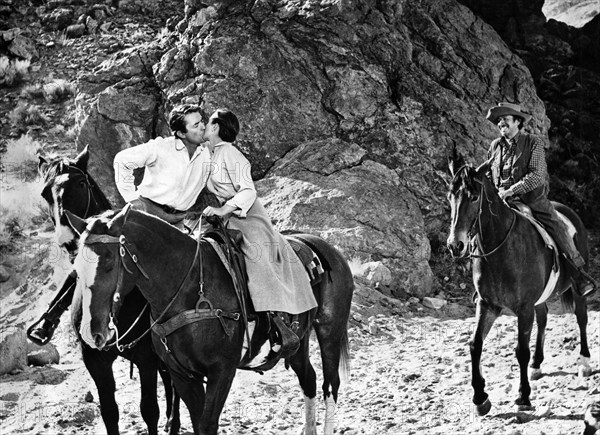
x=284, y=336
x=42, y=334
x=585, y=285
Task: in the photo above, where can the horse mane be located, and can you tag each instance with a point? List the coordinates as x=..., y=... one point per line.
x=464, y=178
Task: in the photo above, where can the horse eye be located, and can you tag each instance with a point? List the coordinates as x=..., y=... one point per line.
x=474, y=198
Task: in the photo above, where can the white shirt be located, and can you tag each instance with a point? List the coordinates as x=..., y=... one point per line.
x=171, y=177
x=230, y=179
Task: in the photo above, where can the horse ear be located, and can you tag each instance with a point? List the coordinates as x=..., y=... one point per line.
x=42, y=164
x=455, y=160
x=484, y=167
x=81, y=161
x=76, y=222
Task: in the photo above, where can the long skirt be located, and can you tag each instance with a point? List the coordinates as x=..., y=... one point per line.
x=277, y=280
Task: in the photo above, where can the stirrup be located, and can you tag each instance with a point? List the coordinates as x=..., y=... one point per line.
x=33, y=329
x=290, y=343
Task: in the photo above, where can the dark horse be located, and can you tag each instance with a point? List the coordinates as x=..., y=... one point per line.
x=176, y=274
x=511, y=265
x=69, y=187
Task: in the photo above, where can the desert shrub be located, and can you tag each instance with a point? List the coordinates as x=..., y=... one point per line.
x=33, y=91
x=358, y=266
x=27, y=114
x=20, y=160
x=58, y=90
x=12, y=71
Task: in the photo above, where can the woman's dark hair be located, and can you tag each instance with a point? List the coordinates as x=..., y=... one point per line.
x=178, y=114
x=229, y=126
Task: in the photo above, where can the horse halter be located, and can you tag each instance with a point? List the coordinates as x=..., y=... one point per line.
x=124, y=251
x=475, y=241
x=66, y=168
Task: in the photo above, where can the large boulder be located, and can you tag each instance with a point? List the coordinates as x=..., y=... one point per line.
x=330, y=189
x=399, y=83
x=13, y=351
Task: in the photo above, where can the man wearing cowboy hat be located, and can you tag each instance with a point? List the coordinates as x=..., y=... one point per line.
x=518, y=168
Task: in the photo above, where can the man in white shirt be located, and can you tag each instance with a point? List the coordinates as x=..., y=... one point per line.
x=176, y=168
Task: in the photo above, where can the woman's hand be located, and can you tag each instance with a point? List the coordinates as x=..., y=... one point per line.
x=218, y=211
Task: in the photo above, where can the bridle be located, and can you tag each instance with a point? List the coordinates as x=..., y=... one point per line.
x=66, y=168
x=475, y=241
x=126, y=251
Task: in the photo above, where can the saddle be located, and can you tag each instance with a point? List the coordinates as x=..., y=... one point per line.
x=525, y=211
x=281, y=327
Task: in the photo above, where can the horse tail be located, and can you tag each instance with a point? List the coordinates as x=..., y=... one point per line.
x=567, y=301
x=344, y=357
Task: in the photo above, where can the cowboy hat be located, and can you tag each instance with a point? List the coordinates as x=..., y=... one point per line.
x=503, y=109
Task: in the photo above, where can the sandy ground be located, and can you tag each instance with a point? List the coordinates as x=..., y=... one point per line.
x=410, y=374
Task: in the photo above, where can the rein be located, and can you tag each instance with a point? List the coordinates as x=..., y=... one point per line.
x=479, y=235
x=178, y=321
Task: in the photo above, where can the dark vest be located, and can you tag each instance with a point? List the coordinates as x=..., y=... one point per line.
x=520, y=166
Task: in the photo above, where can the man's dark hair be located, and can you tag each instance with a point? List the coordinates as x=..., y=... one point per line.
x=229, y=126
x=177, y=116
x=520, y=120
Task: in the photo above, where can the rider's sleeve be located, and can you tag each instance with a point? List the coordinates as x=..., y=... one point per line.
x=126, y=161
x=537, y=170
x=239, y=174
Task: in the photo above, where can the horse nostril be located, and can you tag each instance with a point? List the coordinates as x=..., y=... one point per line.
x=99, y=341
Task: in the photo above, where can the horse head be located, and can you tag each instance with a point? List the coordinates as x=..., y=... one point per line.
x=105, y=268
x=68, y=186
x=464, y=195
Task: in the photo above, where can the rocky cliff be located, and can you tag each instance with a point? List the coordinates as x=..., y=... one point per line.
x=348, y=110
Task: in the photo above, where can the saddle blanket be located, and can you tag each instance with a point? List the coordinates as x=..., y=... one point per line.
x=525, y=211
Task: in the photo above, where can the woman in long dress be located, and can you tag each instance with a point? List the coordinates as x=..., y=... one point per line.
x=277, y=280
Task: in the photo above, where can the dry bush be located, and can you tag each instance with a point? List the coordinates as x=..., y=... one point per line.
x=33, y=91
x=20, y=161
x=358, y=267
x=58, y=90
x=27, y=114
x=12, y=71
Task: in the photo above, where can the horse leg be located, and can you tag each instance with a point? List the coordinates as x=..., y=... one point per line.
x=172, y=399
x=486, y=315
x=525, y=324
x=99, y=365
x=191, y=392
x=584, y=368
x=300, y=363
x=541, y=316
x=218, y=384
x=333, y=342
x=148, y=404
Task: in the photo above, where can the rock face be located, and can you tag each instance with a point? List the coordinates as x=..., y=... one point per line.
x=348, y=110
x=13, y=351
x=565, y=64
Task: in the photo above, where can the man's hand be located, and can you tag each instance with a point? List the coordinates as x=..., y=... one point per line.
x=505, y=194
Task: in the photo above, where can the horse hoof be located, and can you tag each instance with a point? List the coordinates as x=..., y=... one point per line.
x=584, y=372
x=484, y=408
x=523, y=405
x=535, y=374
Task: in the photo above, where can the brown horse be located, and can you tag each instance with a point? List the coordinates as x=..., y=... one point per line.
x=177, y=274
x=511, y=265
x=69, y=187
